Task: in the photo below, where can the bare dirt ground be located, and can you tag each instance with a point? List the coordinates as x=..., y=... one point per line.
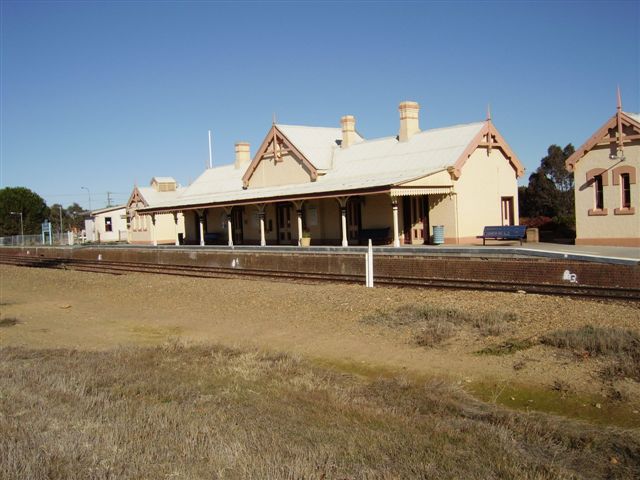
x=89, y=311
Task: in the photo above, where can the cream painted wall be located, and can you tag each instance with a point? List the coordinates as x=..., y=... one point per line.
x=610, y=226
x=329, y=219
x=442, y=211
x=250, y=224
x=483, y=181
x=216, y=221
x=140, y=229
x=270, y=224
x=287, y=171
x=118, y=226
x=377, y=212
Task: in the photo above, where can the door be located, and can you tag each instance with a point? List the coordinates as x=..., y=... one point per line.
x=416, y=219
x=507, y=211
x=354, y=220
x=236, y=225
x=406, y=220
x=284, y=223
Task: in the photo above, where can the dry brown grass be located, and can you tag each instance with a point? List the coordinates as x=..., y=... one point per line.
x=620, y=345
x=432, y=325
x=211, y=412
x=508, y=347
x=595, y=340
x=8, y=322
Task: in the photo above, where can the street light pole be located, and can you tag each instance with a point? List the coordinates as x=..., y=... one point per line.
x=21, y=226
x=93, y=226
x=60, y=223
x=89, y=193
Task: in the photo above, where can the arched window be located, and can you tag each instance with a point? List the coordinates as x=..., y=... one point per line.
x=624, y=176
x=599, y=179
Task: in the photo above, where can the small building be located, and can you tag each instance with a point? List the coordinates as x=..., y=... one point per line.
x=107, y=225
x=607, y=194
x=339, y=188
x=155, y=229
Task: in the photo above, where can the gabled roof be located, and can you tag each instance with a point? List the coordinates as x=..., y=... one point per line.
x=150, y=197
x=376, y=164
x=611, y=132
x=107, y=210
x=317, y=144
x=275, y=142
x=215, y=181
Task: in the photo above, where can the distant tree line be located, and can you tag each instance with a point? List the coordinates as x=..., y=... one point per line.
x=19, y=200
x=548, y=201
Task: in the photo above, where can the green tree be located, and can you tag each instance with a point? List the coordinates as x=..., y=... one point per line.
x=33, y=208
x=76, y=216
x=550, y=192
x=553, y=166
x=540, y=196
x=56, y=212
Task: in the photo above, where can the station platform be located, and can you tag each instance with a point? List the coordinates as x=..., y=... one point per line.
x=601, y=272
x=597, y=254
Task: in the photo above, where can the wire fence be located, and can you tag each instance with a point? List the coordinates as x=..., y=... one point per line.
x=68, y=238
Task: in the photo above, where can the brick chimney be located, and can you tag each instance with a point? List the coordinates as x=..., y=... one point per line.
x=243, y=154
x=409, y=118
x=348, y=123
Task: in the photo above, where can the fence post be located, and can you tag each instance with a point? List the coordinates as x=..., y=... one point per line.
x=366, y=269
x=370, y=260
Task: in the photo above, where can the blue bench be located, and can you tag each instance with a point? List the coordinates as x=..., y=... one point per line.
x=504, y=232
x=211, y=238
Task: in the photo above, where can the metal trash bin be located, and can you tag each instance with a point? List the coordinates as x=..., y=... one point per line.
x=438, y=234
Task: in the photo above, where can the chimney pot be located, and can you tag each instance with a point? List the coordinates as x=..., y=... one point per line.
x=348, y=123
x=409, y=120
x=243, y=154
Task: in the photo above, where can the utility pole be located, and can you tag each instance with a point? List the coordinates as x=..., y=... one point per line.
x=61, y=223
x=109, y=199
x=21, y=226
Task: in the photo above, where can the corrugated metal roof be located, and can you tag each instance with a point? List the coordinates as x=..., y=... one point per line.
x=315, y=143
x=635, y=116
x=154, y=198
x=107, y=209
x=367, y=164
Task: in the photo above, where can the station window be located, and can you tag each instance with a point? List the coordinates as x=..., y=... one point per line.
x=625, y=185
x=108, y=227
x=599, y=190
x=598, y=179
x=625, y=176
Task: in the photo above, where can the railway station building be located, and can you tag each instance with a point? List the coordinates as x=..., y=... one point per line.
x=607, y=193
x=161, y=229
x=336, y=187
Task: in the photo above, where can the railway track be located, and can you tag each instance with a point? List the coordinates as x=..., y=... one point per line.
x=122, y=268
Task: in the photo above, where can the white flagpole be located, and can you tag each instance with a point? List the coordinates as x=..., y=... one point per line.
x=210, y=152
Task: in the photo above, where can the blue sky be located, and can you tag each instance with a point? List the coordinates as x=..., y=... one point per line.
x=106, y=94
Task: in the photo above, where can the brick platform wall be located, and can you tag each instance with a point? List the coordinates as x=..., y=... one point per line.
x=485, y=269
